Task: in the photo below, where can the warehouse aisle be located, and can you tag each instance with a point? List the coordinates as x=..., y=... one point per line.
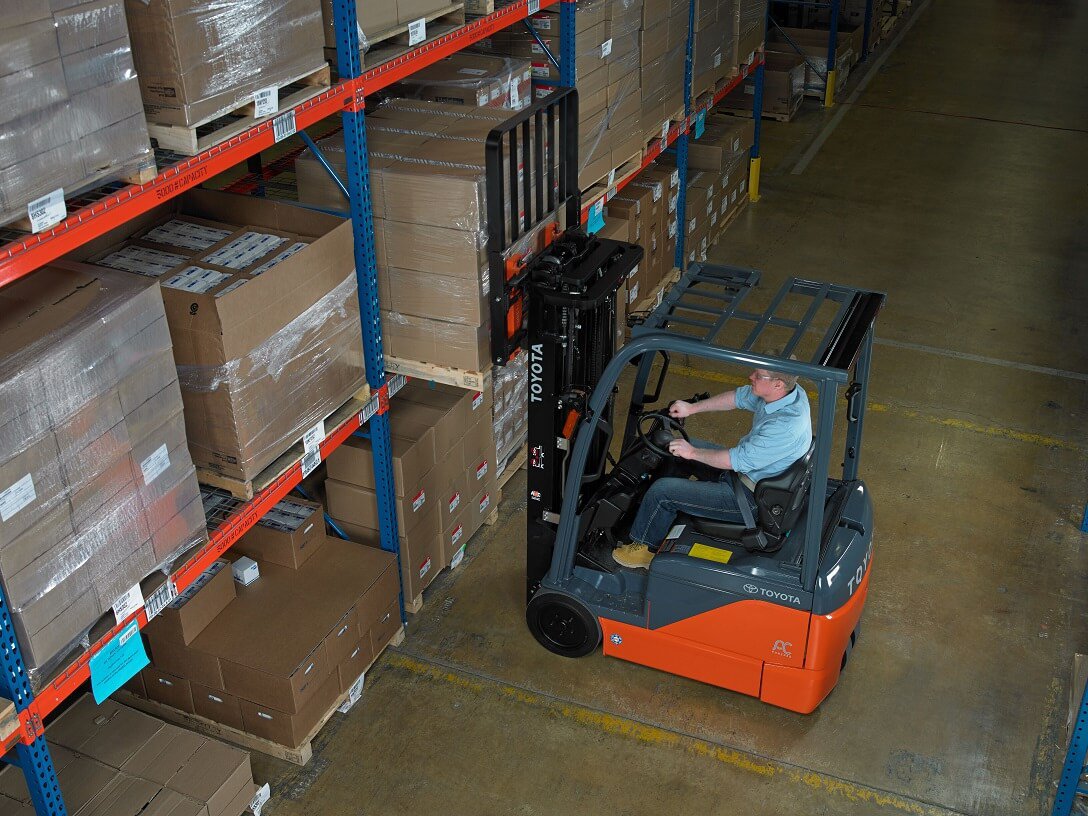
x=959, y=189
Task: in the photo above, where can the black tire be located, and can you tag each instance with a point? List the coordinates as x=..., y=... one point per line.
x=562, y=625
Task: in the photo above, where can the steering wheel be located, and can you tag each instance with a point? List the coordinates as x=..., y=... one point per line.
x=658, y=439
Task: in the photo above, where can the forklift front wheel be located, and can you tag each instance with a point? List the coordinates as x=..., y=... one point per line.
x=562, y=624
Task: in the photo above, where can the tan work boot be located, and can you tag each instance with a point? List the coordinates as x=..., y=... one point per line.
x=633, y=556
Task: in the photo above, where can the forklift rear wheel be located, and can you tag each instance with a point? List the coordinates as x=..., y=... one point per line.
x=562, y=625
x=850, y=646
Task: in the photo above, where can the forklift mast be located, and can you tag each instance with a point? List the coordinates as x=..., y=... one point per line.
x=553, y=288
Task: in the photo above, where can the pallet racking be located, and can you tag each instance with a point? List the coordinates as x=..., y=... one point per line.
x=95, y=214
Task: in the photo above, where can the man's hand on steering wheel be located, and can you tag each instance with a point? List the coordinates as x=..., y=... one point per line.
x=682, y=449
x=681, y=410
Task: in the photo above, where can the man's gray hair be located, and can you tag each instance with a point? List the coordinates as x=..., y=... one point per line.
x=789, y=379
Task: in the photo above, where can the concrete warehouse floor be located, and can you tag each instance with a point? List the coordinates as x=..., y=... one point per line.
x=956, y=182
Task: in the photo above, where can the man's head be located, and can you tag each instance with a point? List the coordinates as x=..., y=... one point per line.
x=771, y=385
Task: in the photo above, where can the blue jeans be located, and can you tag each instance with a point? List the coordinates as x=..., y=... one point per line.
x=667, y=497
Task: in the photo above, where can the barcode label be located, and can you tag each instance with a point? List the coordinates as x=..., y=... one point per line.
x=664, y=130
x=310, y=461
x=312, y=439
x=266, y=101
x=455, y=501
x=611, y=177
x=425, y=567
x=154, y=465
x=128, y=603
x=396, y=384
x=284, y=126
x=460, y=531
x=46, y=211
x=533, y=8
x=419, y=501
x=606, y=48
x=370, y=410
x=458, y=557
x=260, y=799
x=160, y=599
x=16, y=497
x=417, y=31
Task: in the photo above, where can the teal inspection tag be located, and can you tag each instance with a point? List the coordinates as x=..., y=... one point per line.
x=117, y=662
x=700, y=123
x=596, y=218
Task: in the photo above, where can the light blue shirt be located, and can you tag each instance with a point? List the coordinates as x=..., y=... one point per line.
x=781, y=433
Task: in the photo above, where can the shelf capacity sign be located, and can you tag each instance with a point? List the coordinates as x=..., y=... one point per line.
x=117, y=662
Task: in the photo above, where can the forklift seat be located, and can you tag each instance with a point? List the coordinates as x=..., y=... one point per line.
x=779, y=502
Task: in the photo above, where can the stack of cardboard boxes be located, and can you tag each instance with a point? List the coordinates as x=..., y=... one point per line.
x=256, y=312
x=783, y=87
x=113, y=761
x=511, y=410
x=428, y=186
x=663, y=40
x=750, y=25
x=200, y=59
x=714, y=55
x=718, y=181
x=472, y=79
x=444, y=479
x=72, y=115
x=378, y=19
x=648, y=207
x=272, y=658
x=813, y=43
x=97, y=488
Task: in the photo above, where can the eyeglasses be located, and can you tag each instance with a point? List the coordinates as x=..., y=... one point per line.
x=765, y=376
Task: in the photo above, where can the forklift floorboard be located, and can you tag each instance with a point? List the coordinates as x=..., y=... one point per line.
x=956, y=183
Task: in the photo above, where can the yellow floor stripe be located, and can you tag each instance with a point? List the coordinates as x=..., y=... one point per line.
x=879, y=407
x=653, y=735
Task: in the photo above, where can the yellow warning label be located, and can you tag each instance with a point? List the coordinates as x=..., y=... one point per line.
x=710, y=553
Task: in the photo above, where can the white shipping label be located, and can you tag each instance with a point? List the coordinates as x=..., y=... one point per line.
x=419, y=501
x=460, y=531
x=606, y=48
x=310, y=461
x=458, y=557
x=154, y=465
x=672, y=229
x=515, y=97
x=664, y=131
x=674, y=179
x=417, y=31
x=132, y=601
x=455, y=501
x=425, y=567
x=16, y=497
x=481, y=471
x=312, y=439
x=542, y=70
x=477, y=72
x=532, y=8
x=477, y=400
x=659, y=190
x=260, y=799
x=355, y=694
x=284, y=126
x=485, y=502
x=46, y=211
x=717, y=59
x=750, y=89
x=482, y=99
x=611, y=177
x=160, y=599
x=632, y=294
x=266, y=101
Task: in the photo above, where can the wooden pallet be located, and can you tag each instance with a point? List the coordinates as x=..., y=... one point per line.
x=460, y=377
x=248, y=489
x=383, y=46
x=719, y=231
x=516, y=463
x=299, y=755
x=10, y=726
x=192, y=139
x=605, y=187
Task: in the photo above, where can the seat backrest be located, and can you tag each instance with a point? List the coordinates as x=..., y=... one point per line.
x=780, y=499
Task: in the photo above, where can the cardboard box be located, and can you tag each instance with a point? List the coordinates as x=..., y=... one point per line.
x=289, y=729
x=355, y=663
x=287, y=535
x=373, y=19
x=420, y=560
x=271, y=641
x=216, y=705
x=385, y=628
x=341, y=640
x=437, y=342
x=169, y=690
x=243, y=425
x=413, y=452
x=424, y=294
x=783, y=86
x=359, y=505
x=187, y=53
x=189, y=613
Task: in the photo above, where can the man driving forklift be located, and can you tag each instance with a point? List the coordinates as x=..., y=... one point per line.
x=781, y=434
